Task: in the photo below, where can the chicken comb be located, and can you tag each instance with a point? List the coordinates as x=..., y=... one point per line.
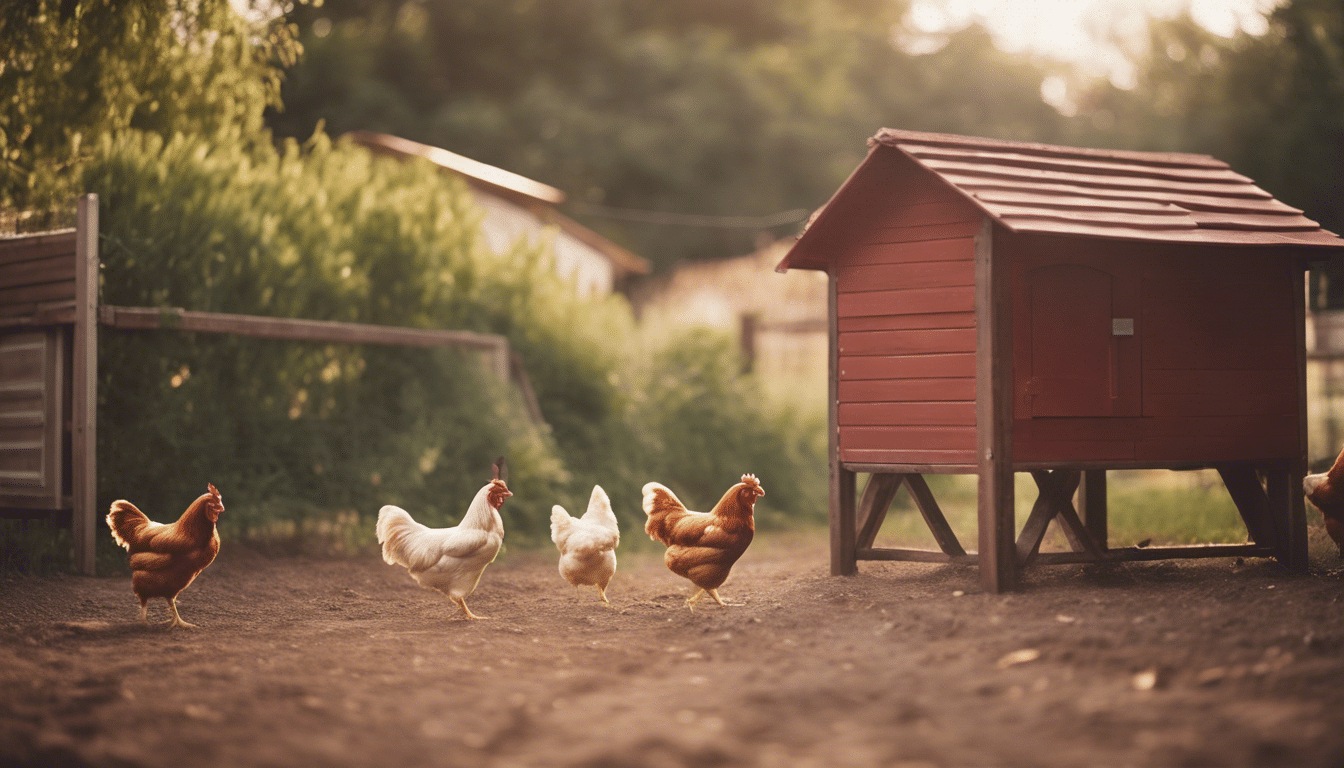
x=213, y=490
x=751, y=480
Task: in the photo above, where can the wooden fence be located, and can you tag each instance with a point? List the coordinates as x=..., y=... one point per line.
x=49, y=319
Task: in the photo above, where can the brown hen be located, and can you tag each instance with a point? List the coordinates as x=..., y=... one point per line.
x=702, y=546
x=1326, y=491
x=166, y=558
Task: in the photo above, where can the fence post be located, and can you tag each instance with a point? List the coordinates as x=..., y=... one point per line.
x=84, y=387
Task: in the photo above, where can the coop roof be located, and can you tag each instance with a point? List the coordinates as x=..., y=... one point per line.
x=1128, y=195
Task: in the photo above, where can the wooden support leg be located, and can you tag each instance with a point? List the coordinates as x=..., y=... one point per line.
x=1055, y=503
x=1287, y=508
x=877, y=498
x=1092, y=505
x=1252, y=503
x=998, y=558
x=933, y=516
x=844, y=560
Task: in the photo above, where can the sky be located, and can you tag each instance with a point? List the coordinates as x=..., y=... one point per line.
x=1076, y=30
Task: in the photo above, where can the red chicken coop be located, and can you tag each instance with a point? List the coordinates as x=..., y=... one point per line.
x=999, y=307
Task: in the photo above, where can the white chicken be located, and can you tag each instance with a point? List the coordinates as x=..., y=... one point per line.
x=450, y=560
x=587, y=544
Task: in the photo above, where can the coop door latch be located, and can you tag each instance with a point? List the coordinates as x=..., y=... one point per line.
x=1122, y=326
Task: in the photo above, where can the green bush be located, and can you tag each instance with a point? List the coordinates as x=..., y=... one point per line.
x=309, y=440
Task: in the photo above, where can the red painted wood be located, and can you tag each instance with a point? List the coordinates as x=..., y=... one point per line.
x=950, y=210
x=1213, y=382
x=908, y=457
x=908, y=342
x=907, y=367
x=1274, y=444
x=907, y=390
x=903, y=322
x=911, y=234
x=913, y=302
x=941, y=438
x=917, y=274
x=1231, y=402
x=946, y=246
x=907, y=414
x=1029, y=450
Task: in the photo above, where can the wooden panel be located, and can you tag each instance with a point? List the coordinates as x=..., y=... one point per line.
x=33, y=295
x=910, y=457
x=1211, y=448
x=1230, y=402
x=907, y=414
x=28, y=247
x=1208, y=323
x=909, y=438
x=30, y=418
x=912, y=342
x=907, y=390
x=47, y=270
x=914, y=234
x=1032, y=449
x=953, y=246
x=911, y=302
x=950, y=210
x=903, y=322
x=904, y=275
x=1276, y=383
x=908, y=367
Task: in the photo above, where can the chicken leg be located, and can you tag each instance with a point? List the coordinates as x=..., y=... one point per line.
x=177, y=620
x=714, y=593
x=462, y=603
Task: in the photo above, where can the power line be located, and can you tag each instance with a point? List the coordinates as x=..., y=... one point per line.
x=790, y=216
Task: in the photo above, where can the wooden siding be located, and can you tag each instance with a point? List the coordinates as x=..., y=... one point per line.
x=37, y=274
x=1214, y=362
x=905, y=316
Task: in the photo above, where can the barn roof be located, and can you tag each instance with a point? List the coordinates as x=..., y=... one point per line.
x=1128, y=195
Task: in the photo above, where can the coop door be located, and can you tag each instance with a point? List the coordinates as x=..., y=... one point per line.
x=1081, y=358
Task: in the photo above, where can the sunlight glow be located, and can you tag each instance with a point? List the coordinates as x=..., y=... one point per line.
x=1086, y=32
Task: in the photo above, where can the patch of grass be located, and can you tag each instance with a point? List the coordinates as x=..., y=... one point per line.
x=1164, y=507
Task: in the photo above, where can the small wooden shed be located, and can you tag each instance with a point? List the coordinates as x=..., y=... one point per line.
x=1000, y=307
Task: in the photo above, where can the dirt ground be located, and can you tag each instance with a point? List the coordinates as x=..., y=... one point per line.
x=346, y=662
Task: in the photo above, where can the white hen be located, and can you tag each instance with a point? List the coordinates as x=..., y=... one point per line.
x=450, y=560
x=587, y=544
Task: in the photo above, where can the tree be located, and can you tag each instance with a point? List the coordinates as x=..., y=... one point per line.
x=75, y=70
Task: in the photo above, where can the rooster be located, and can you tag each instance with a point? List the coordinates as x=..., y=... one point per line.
x=166, y=558
x=1326, y=491
x=450, y=560
x=702, y=547
x=588, y=544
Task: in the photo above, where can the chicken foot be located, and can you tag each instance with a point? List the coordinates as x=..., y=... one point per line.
x=462, y=603
x=177, y=620
x=714, y=593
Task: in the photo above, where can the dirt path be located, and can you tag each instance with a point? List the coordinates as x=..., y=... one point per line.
x=303, y=662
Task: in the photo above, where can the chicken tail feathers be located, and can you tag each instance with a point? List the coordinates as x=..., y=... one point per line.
x=560, y=522
x=395, y=528
x=127, y=523
x=663, y=508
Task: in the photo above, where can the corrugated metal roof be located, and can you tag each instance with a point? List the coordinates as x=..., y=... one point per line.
x=1161, y=196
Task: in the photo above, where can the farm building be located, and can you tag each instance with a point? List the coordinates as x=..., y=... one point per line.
x=999, y=307
x=780, y=322
x=517, y=207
